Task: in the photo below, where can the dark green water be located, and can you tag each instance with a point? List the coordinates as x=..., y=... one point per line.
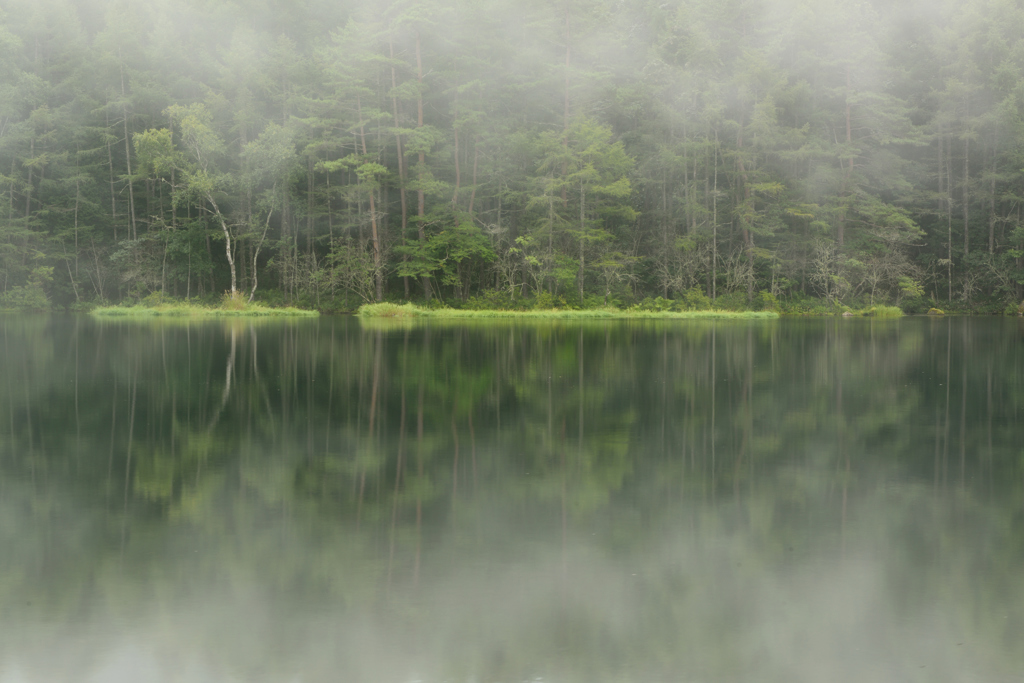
x=822, y=500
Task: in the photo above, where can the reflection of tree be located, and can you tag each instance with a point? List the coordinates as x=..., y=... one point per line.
x=531, y=471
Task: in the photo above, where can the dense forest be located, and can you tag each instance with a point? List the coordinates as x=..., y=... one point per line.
x=810, y=153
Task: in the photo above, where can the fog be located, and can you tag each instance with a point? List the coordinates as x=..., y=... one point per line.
x=848, y=153
x=509, y=600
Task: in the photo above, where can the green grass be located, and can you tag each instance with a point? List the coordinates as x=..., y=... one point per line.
x=880, y=312
x=229, y=309
x=411, y=311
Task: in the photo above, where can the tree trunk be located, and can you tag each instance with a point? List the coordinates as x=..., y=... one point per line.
x=401, y=157
x=128, y=157
x=967, y=196
x=455, y=134
x=949, y=218
x=28, y=185
x=565, y=112
x=256, y=255
x=476, y=157
x=748, y=245
x=421, y=208
x=227, y=242
x=583, y=228
x=378, y=270
x=714, y=227
x=310, y=186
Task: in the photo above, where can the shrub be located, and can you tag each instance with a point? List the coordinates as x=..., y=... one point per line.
x=154, y=299
x=694, y=299
x=656, y=304
x=881, y=312
x=233, y=301
x=30, y=297
x=546, y=301
x=806, y=306
x=732, y=301
x=389, y=310
x=766, y=301
x=493, y=301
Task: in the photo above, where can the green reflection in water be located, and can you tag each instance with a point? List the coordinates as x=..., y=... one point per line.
x=633, y=501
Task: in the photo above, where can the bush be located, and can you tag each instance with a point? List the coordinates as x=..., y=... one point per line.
x=732, y=301
x=389, y=310
x=155, y=299
x=915, y=305
x=546, y=301
x=656, y=304
x=271, y=297
x=881, y=312
x=493, y=301
x=30, y=297
x=806, y=306
x=694, y=300
x=233, y=301
x=86, y=306
x=766, y=301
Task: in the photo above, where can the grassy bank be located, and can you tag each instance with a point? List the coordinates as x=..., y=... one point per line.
x=229, y=308
x=388, y=310
x=881, y=312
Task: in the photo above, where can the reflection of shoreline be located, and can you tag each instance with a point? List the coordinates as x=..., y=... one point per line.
x=191, y=310
x=185, y=321
x=542, y=495
x=385, y=324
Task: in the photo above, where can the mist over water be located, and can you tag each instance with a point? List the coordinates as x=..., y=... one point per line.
x=328, y=501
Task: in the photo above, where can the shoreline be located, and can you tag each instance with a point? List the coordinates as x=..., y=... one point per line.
x=412, y=312
x=197, y=311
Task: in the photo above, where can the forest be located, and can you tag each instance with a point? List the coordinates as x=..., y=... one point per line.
x=800, y=155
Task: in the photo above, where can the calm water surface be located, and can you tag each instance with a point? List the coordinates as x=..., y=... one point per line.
x=822, y=500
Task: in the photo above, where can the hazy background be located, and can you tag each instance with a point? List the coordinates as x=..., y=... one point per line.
x=602, y=152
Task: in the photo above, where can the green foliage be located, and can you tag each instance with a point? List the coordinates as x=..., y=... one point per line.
x=880, y=312
x=766, y=301
x=732, y=301
x=694, y=299
x=656, y=304
x=546, y=301
x=229, y=306
x=233, y=301
x=712, y=172
x=691, y=300
x=24, y=298
x=808, y=306
x=157, y=299
x=390, y=310
x=495, y=300
x=30, y=296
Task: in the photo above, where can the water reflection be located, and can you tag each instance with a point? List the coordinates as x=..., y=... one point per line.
x=798, y=500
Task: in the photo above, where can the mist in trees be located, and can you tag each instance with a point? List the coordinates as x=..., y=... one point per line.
x=583, y=152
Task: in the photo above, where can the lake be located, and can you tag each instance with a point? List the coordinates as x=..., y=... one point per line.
x=335, y=500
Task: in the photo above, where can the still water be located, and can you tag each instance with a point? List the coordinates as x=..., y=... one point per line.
x=795, y=500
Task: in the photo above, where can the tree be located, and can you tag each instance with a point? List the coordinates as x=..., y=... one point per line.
x=202, y=180
x=596, y=173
